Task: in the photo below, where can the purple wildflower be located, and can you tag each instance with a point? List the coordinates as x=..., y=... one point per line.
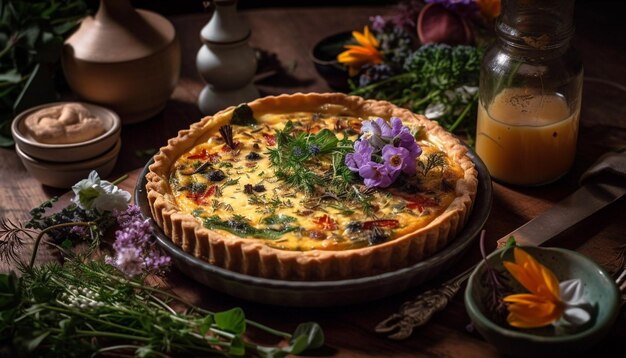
x=79, y=230
x=135, y=252
x=375, y=175
x=396, y=127
x=314, y=149
x=128, y=260
x=378, y=23
x=398, y=159
x=372, y=133
x=463, y=7
x=383, y=152
x=362, y=155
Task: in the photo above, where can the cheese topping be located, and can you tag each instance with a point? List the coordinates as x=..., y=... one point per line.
x=237, y=190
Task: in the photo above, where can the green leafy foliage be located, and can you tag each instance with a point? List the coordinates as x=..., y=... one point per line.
x=85, y=308
x=439, y=79
x=232, y=321
x=65, y=236
x=243, y=116
x=240, y=226
x=296, y=153
x=31, y=35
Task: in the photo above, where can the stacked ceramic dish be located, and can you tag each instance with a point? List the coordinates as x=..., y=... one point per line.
x=61, y=165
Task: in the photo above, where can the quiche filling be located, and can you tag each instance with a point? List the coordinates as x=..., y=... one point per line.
x=283, y=179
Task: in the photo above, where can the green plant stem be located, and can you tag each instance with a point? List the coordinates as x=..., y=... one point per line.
x=464, y=113
x=426, y=99
x=120, y=179
x=91, y=318
x=382, y=83
x=189, y=304
x=129, y=346
x=51, y=228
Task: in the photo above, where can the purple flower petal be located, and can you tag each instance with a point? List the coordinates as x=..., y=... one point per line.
x=375, y=175
x=372, y=133
x=135, y=252
x=396, y=126
x=362, y=154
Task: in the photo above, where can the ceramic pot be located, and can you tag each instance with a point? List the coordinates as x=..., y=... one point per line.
x=124, y=59
x=437, y=24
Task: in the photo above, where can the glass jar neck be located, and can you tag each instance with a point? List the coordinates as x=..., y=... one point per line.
x=536, y=24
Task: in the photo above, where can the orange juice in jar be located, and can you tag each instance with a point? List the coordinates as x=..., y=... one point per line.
x=526, y=138
x=530, y=94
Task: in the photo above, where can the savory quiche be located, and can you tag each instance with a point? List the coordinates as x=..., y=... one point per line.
x=312, y=187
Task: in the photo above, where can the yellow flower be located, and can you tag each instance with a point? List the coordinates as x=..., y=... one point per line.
x=490, y=9
x=358, y=55
x=543, y=304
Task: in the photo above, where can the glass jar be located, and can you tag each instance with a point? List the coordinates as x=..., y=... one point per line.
x=530, y=94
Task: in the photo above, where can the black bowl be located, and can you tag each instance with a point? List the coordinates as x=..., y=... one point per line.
x=324, y=57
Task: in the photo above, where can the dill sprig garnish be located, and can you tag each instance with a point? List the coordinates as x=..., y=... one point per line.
x=11, y=239
x=227, y=133
x=434, y=160
x=296, y=156
x=298, y=160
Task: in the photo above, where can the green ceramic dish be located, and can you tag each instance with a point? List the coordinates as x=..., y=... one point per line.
x=599, y=289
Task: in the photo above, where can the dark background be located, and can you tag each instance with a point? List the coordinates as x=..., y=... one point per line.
x=608, y=15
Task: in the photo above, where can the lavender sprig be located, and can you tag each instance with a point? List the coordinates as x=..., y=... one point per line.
x=135, y=252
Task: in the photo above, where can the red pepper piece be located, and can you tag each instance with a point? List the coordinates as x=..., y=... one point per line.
x=270, y=139
x=202, y=155
x=420, y=202
x=387, y=224
x=226, y=148
x=200, y=198
x=205, y=155
x=325, y=222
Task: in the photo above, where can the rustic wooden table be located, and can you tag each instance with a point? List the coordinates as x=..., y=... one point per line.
x=290, y=34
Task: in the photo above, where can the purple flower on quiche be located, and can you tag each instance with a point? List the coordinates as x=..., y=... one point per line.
x=373, y=133
x=398, y=159
x=362, y=154
x=393, y=128
x=384, y=151
x=375, y=175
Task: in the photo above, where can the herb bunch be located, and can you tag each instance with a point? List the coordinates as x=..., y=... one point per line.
x=89, y=306
x=86, y=308
x=438, y=80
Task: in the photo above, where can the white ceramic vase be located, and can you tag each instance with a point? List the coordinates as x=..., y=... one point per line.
x=225, y=61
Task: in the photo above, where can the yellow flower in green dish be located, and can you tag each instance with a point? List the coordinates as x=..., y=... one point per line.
x=547, y=300
x=366, y=52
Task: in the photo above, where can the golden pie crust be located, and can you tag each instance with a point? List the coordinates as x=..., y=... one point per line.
x=252, y=257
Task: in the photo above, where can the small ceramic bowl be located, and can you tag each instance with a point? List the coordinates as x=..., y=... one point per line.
x=598, y=288
x=324, y=57
x=64, y=175
x=68, y=152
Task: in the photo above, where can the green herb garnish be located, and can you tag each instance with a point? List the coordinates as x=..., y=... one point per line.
x=240, y=226
x=243, y=116
x=434, y=160
x=297, y=153
x=279, y=219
